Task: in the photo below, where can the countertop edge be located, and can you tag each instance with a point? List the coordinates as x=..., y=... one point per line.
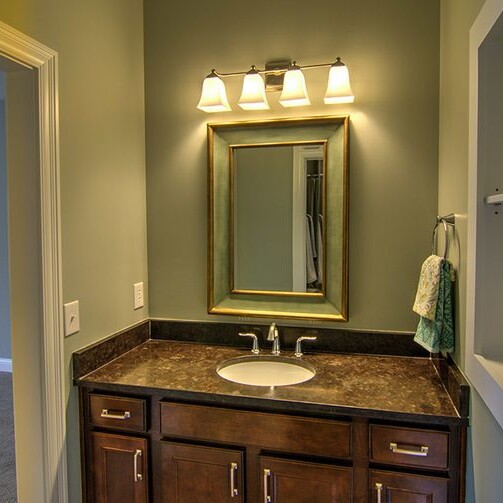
x=274, y=405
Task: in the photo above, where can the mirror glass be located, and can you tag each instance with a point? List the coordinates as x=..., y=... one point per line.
x=277, y=219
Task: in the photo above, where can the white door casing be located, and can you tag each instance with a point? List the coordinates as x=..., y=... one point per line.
x=483, y=366
x=25, y=51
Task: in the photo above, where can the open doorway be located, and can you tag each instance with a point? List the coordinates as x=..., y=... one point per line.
x=8, y=458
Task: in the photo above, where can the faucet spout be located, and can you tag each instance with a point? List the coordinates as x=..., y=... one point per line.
x=273, y=335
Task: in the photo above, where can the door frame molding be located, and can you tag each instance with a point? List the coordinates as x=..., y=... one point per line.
x=25, y=51
x=484, y=373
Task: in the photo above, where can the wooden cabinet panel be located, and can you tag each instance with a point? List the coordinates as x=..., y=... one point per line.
x=389, y=487
x=199, y=474
x=409, y=447
x=259, y=457
x=299, y=435
x=286, y=481
x=119, y=469
x=118, y=413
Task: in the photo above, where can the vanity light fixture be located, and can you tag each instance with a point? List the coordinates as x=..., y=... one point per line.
x=253, y=94
x=213, y=96
x=285, y=77
x=294, y=92
x=338, y=88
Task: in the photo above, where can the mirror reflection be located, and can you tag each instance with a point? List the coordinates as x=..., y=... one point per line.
x=277, y=218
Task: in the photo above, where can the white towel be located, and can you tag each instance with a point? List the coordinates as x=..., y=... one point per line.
x=427, y=290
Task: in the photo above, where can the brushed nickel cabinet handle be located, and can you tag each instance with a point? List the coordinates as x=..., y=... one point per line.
x=233, y=471
x=137, y=475
x=121, y=415
x=379, y=492
x=423, y=450
x=267, y=477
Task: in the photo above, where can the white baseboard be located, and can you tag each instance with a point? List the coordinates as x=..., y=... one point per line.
x=5, y=365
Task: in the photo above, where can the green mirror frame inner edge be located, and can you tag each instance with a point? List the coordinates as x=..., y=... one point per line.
x=333, y=306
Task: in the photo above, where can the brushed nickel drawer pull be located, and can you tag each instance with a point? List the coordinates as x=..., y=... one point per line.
x=137, y=475
x=423, y=450
x=267, y=495
x=379, y=492
x=122, y=416
x=233, y=471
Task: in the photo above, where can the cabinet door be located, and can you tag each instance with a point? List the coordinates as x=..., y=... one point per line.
x=199, y=474
x=119, y=468
x=389, y=487
x=285, y=481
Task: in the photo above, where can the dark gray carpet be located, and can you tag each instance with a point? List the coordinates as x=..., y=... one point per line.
x=7, y=453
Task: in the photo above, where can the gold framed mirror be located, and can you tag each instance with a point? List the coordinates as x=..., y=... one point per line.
x=278, y=218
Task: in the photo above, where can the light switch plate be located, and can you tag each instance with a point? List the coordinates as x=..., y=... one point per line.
x=138, y=295
x=72, y=317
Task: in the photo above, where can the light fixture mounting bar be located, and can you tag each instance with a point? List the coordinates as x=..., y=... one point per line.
x=275, y=68
x=275, y=74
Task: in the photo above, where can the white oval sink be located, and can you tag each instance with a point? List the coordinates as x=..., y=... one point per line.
x=266, y=370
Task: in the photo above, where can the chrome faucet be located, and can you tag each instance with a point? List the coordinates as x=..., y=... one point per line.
x=273, y=335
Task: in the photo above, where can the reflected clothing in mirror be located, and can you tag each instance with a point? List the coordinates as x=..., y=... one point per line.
x=314, y=222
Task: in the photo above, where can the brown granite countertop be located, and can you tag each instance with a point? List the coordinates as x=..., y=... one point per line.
x=387, y=387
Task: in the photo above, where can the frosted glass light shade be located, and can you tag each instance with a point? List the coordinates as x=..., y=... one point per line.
x=213, y=95
x=253, y=93
x=338, y=88
x=294, y=92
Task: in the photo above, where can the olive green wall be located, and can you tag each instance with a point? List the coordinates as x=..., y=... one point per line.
x=263, y=247
x=485, y=442
x=102, y=147
x=394, y=136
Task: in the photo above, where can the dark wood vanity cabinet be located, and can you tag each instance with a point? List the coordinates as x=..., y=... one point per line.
x=150, y=449
x=302, y=482
x=119, y=468
x=117, y=456
x=193, y=473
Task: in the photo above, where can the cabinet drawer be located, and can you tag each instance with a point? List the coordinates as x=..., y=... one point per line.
x=409, y=447
x=272, y=431
x=118, y=412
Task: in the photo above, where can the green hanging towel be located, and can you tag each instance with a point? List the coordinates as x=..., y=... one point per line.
x=438, y=334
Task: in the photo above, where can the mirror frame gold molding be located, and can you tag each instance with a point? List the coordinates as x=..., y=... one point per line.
x=222, y=137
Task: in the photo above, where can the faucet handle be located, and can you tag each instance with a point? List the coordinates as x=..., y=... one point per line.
x=273, y=332
x=298, y=348
x=255, y=349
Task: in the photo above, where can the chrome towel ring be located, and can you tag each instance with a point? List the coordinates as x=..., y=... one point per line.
x=446, y=221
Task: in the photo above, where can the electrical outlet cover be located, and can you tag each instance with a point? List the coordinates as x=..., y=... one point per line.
x=138, y=295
